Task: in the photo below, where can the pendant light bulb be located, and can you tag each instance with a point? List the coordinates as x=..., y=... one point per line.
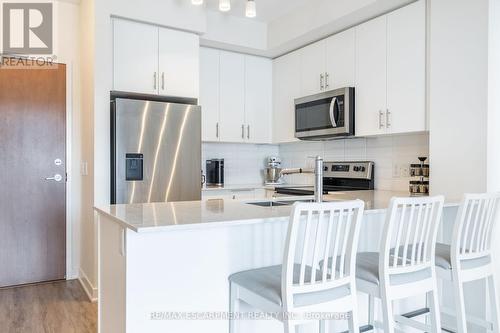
x=224, y=5
x=197, y=2
x=250, y=11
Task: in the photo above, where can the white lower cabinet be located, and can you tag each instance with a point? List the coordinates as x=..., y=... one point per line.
x=235, y=194
x=235, y=97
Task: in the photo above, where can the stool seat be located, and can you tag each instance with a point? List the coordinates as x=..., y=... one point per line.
x=266, y=282
x=443, y=259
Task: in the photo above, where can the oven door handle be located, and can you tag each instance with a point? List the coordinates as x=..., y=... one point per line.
x=332, y=116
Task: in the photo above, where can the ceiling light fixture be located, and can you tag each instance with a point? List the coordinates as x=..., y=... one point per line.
x=250, y=11
x=224, y=5
x=197, y=2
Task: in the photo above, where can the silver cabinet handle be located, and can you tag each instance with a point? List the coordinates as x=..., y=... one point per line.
x=154, y=81
x=217, y=130
x=57, y=177
x=248, y=132
x=380, y=117
x=321, y=78
x=242, y=131
x=327, y=79
x=387, y=118
x=163, y=81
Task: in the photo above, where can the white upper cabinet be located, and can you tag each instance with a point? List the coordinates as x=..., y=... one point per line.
x=235, y=97
x=286, y=87
x=371, y=77
x=153, y=60
x=406, y=57
x=178, y=63
x=258, y=99
x=135, y=57
x=340, y=60
x=391, y=72
x=232, y=97
x=312, y=68
x=209, y=93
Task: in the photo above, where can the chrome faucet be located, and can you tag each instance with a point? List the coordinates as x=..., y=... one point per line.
x=318, y=177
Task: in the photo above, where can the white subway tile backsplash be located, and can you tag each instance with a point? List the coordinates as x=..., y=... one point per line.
x=244, y=163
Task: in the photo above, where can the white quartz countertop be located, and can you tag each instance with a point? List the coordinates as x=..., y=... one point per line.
x=233, y=187
x=220, y=212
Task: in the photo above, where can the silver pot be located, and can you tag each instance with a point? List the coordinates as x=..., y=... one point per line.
x=272, y=174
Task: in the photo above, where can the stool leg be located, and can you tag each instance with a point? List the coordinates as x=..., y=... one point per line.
x=434, y=310
x=233, y=306
x=322, y=326
x=289, y=327
x=459, y=304
x=388, y=315
x=494, y=304
x=371, y=310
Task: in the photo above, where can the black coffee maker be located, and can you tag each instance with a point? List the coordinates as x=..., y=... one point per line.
x=215, y=172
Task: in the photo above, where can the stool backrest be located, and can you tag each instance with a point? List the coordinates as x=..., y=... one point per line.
x=409, y=236
x=318, y=232
x=473, y=226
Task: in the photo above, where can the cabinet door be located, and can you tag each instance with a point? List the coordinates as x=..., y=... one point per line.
x=406, y=54
x=340, y=60
x=371, y=73
x=312, y=67
x=135, y=57
x=232, y=97
x=286, y=87
x=258, y=99
x=178, y=63
x=209, y=93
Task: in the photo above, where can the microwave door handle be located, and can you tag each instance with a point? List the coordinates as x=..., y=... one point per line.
x=332, y=116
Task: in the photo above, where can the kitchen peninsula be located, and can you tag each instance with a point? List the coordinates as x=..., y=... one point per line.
x=162, y=265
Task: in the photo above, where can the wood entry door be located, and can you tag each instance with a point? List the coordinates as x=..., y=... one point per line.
x=32, y=154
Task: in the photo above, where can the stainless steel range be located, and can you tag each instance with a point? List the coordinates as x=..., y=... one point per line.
x=339, y=176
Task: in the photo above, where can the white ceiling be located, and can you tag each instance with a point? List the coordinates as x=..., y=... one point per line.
x=267, y=10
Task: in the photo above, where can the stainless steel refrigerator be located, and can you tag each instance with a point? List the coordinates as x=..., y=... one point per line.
x=155, y=150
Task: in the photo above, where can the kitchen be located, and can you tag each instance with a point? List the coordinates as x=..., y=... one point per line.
x=216, y=132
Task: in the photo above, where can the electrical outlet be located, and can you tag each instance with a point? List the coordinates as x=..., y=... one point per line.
x=405, y=171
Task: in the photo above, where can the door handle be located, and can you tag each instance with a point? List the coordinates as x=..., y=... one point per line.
x=242, y=131
x=327, y=79
x=217, y=130
x=248, y=132
x=154, y=81
x=163, y=81
x=57, y=177
x=387, y=118
x=321, y=78
x=380, y=117
x=332, y=116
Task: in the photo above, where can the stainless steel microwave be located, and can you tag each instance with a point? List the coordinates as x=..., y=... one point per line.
x=326, y=115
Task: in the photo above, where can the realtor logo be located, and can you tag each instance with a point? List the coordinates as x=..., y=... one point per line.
x=27, y=28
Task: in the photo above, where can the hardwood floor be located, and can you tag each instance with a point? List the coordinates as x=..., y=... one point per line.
x=55, y=307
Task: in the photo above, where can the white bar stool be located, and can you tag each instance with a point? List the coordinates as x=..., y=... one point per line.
x=299, y=287
x=469, y=256
x=405, y=265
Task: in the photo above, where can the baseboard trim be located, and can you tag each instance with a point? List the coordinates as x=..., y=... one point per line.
x=90, y=290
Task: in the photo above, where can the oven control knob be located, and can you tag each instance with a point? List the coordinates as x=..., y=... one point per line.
x=362, y=169
x=356, y=169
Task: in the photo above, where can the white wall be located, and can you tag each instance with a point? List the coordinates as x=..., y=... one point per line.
x=458, y=96
x=388, y=153
x=243, y=163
